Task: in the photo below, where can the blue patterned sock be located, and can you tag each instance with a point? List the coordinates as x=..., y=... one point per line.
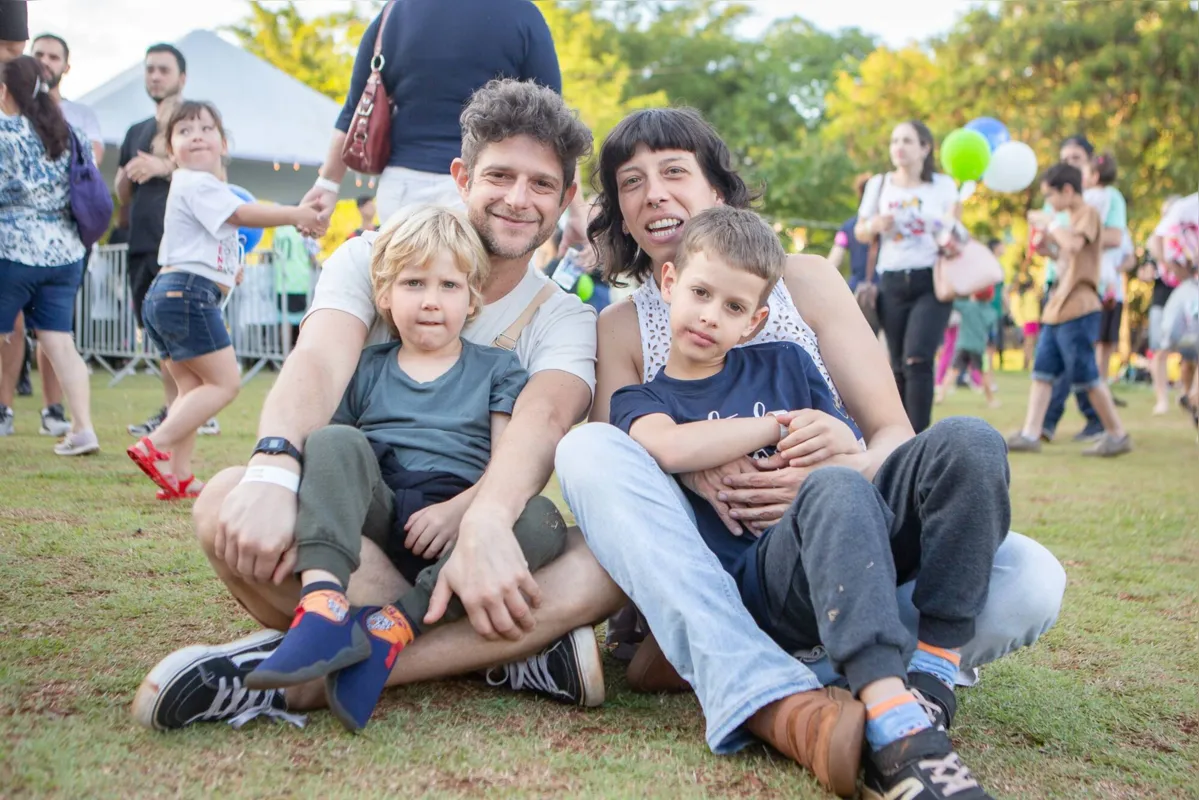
x=942, y=664
x=891, y=720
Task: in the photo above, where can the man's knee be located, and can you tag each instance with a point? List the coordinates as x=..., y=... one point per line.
x=206, y=512
x=594, y=596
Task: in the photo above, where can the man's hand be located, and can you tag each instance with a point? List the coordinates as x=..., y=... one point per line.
x=434, y=528
x=489, y=574
x=144, y=166
x=709, y=483
x=257, y=532
x=759, y=500
x=813, y=436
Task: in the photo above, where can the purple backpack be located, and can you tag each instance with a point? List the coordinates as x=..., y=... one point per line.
x=91, y=204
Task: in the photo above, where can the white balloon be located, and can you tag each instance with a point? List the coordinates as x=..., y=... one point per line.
x=1013, y=168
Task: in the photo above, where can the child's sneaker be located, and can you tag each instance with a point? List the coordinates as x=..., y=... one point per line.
x=922, y=766
x=937, y=699
x=323, y=638
x=354, y=691
x=1019, y=443
x=78, y=444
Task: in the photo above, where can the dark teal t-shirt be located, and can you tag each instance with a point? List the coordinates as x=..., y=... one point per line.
x=440, y=426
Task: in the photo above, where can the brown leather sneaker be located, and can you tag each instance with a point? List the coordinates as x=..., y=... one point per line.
x=822, y=730
x=649, y=671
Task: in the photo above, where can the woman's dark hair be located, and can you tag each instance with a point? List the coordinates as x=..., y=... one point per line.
x=1081, y=141
x=657, y=129
x=925, y=137
x=1105, y=168
x=23, y=78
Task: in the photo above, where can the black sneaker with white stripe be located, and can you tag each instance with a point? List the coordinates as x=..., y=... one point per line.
x=938, y=700
x=207, y=684
x=568, y=671
x=922, y=766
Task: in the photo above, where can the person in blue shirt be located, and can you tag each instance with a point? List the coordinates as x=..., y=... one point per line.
x=826, y=574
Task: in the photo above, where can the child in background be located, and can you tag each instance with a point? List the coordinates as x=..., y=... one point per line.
x=399, y=465
x=713, y=403
x=1099, y=191
x=978, y=317
x=200, y=258
x=1071, y=320
x=1024, y=298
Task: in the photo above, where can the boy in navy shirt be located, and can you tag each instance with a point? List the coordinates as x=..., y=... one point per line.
x=826, y=574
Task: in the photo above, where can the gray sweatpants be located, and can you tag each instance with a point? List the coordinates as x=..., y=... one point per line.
x=938, y=509
x=343, y=498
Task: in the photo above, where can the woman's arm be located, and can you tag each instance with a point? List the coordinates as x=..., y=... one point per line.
x=852, y=356
x=618, y=355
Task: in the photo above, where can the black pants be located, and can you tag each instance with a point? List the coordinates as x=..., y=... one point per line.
x=142, y=269
x=914, y=321
x=937, y=510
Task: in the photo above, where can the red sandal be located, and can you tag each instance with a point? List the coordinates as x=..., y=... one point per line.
x=147, y=461
x=187, y=489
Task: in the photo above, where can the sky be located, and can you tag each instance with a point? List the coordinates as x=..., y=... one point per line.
x=108, y=36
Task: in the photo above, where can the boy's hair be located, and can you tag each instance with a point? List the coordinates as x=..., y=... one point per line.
x=363, y=199
x=415, y=239
x=738, y=237
x=192, y=109
x=1081, y=141
x=1104, y=165
x=506, y=107
x=1061, y=175
x=163, y=47
x=992, y=243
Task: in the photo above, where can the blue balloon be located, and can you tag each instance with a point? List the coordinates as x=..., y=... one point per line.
x=250, y=237
x=992, y=129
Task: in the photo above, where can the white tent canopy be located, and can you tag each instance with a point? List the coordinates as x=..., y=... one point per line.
x=278, y=128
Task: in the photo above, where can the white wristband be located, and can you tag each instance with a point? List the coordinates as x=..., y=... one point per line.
x=276, y=475
x=327, y=185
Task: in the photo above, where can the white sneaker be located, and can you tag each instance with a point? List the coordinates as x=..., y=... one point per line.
x=210, y=428
x=6, y=421
x=54, y=422
x=78, y=444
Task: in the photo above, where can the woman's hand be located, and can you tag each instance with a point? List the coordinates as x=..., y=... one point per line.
x=813, y=436
x=709, y=484
x=881, y=224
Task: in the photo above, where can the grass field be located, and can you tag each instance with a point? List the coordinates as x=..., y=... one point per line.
x=98, y=581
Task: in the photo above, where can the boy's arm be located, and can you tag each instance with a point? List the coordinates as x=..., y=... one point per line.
x=499, y=422
x=696, y=446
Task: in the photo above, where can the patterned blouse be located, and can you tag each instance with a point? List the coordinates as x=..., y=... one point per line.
x=36, y=226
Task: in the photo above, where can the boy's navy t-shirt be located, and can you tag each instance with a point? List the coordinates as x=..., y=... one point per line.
x=756, y=380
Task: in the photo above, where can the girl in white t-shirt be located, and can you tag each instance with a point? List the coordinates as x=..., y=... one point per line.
x=910, y=210
x=200, y=256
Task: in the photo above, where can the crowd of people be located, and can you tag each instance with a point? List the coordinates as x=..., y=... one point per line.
x=840, y=563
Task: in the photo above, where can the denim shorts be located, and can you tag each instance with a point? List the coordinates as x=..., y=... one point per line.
x=1069, y=348
x=182, y=316
x=45, y=294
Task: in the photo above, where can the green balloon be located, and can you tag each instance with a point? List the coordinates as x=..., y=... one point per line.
x=585, y=287
x=965, y=155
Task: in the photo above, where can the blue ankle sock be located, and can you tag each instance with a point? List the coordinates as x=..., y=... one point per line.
x=933, y=661
x=894, y=723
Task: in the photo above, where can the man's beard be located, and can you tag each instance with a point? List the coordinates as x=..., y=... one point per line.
x=52, y=80
x=481, y=220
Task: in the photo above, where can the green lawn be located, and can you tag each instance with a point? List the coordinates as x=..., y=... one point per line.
x=98, y=581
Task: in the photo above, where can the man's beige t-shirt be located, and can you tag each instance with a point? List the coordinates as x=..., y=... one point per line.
x=561, y=334
x=1077, y=291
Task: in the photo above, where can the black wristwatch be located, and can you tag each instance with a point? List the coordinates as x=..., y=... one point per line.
x=278, y=446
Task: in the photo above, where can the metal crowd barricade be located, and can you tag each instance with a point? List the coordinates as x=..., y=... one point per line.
x=107, y=332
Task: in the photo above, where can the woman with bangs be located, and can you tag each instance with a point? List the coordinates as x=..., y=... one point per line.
x=657, y=169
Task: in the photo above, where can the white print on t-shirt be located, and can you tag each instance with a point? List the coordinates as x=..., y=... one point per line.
x=759, y=412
